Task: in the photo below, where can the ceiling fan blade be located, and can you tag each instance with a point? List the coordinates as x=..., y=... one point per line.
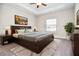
x=32, y=3
x=37, y=6
x=43, y=4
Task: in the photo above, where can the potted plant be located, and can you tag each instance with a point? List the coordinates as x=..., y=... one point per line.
x=69, y=28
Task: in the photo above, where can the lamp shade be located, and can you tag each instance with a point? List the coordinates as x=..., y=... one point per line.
x=7, y=30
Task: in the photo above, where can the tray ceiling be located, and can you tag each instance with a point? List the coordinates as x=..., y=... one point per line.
x=50, y=7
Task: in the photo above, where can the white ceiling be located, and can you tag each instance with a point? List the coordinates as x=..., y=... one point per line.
x=50, y=7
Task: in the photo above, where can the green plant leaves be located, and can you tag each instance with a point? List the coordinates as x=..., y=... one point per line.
x=69, y=27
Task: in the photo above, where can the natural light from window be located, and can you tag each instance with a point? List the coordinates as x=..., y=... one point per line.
x=51, y=25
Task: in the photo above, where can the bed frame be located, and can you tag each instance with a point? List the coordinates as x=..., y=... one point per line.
x=35, y=47
x=13, y=28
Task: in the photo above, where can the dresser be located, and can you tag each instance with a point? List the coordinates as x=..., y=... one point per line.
x=75, y=44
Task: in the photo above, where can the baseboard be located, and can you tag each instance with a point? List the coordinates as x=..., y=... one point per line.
x=59, y=37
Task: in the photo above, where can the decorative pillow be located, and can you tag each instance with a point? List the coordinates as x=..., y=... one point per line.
x=20, y=30
x=28, y=30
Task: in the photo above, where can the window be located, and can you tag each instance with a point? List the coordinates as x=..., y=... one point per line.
x=51, y=25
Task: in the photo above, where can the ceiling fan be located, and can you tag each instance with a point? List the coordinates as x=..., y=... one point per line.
x=38, y=4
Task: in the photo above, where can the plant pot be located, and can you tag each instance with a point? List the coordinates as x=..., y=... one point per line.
x=68, y=36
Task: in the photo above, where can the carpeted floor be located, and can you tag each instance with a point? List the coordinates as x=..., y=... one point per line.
x=58, y=47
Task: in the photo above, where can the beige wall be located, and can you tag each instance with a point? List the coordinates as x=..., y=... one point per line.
x=7, y=16
x=0, y=12
x=7, y=13
x=62, y=17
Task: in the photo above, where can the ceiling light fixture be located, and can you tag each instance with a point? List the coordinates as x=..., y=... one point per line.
x=38, y=4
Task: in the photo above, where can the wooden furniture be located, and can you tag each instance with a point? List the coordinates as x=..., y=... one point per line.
x=5, y=38
x=35, y=46
x=75, y=44
x=13, y=28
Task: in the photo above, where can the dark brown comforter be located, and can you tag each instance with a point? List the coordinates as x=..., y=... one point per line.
x=35, y=41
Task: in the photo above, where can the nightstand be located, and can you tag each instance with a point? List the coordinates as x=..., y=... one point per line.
x=5, y=39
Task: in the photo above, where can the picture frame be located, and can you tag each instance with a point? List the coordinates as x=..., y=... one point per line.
x=77, y=17
x=21, y=20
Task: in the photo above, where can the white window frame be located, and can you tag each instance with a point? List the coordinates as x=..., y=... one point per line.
x=54, y=24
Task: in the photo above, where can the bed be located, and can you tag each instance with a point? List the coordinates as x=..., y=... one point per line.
x=35, y=41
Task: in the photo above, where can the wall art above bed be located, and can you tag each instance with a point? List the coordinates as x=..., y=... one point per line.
x=21, y=20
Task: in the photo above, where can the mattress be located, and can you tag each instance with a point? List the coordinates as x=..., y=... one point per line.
x=35, y=36
x=35, y=41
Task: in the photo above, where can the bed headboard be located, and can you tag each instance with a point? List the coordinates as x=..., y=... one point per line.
x=13, y=28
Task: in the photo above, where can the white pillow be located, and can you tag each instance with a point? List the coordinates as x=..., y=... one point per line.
x=21, y=30
x=28, y=30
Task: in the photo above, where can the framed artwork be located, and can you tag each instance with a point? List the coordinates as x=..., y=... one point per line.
x=21, y=20
x=77, y=20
